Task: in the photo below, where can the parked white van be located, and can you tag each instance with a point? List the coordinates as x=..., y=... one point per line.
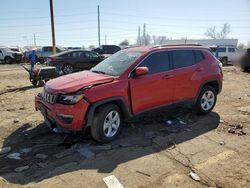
x=227, y=54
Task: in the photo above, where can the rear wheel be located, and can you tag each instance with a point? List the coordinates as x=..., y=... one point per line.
x=67, y=69
x=206, y=100
x=107, y=123
x=8, y=60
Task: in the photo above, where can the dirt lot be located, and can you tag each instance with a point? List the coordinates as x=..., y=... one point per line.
x=148, y=153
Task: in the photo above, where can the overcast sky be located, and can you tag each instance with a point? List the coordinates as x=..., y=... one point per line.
x=76, y=20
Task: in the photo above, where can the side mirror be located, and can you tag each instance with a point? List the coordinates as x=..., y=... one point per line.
x=139, y=71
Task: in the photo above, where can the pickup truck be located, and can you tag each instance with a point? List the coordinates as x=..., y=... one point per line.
x=42, y=53
x=9, y=56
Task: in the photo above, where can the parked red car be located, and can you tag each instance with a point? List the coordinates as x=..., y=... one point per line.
x=128, y=83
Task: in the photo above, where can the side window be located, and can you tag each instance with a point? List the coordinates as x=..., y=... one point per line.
x=231, y=49
x=47, y=49
x=198, y=56
x=183, y=58
x=1, y=52
x=91, y=55
x=157, y=62
x=67, y=55
x=221, y=49
x=75, y=54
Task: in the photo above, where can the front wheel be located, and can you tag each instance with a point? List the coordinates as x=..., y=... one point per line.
x=206, y=100
x=107, y=123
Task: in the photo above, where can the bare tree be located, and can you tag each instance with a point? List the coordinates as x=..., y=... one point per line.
x=241, y=46
x=211, y=32
x=214, y=34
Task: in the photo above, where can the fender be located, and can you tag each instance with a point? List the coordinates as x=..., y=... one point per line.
x=206, y=82
x=118, y=100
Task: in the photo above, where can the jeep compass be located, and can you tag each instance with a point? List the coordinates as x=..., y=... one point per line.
x=128, y=83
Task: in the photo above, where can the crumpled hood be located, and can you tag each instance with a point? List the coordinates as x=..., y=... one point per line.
x=73, y=82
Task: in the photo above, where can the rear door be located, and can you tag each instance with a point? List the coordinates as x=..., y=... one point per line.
x=188, y=69
x=156, y=88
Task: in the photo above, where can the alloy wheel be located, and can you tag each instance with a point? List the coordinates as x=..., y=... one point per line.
x=207, y=100
x=111, y=124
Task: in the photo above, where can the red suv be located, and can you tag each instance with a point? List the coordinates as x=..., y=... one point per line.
x=128, y=83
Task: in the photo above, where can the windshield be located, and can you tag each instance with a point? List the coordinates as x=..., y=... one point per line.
x=116, y=64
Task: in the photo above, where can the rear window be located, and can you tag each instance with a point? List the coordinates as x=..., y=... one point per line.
x=183, y=58
x=198, y=56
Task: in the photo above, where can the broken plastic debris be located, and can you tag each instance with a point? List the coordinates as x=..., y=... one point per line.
x=26, y=150
x=182, y=122
x=86, y=153
x=222, y=143
x=169, y=122
x=194, y=176
x=22, y=168
x=41, y=156
x=112, y=182
x=5, y=150
x=15, y=156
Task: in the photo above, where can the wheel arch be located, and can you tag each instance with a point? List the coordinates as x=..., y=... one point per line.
x=119, y=101
x=213, y=83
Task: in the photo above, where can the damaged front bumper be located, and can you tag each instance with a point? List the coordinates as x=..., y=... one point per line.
x=63, y=118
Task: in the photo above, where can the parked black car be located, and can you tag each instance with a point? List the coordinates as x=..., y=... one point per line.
x=74, y=60
x=107, y=50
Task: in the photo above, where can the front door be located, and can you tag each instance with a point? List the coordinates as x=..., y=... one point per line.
x=156, y=88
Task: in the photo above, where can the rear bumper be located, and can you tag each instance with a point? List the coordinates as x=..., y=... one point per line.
x=69, y=118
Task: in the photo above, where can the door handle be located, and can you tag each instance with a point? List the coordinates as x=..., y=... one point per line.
x=168, y=76
x=199, y=69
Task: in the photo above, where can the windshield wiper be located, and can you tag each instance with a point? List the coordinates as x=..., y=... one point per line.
x=100, y=72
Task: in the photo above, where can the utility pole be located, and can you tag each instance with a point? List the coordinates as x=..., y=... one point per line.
x=144, y=35
x=105, y=39
x=52, y=27
x=34, y=39
x=99, y=39
x=139, y=36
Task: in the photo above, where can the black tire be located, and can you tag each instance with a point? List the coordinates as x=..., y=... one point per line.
x=244, y=69
x=67, y=69
x=8, y=60
x=34, y=82
x=101, y=115
x=198, y=105
x=224, y=61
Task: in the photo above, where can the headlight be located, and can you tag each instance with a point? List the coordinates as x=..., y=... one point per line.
x=70, y=99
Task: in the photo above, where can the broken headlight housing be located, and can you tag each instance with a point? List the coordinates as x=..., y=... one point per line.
x=71, y=99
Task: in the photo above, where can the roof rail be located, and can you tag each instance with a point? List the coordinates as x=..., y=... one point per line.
x=166, y=45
